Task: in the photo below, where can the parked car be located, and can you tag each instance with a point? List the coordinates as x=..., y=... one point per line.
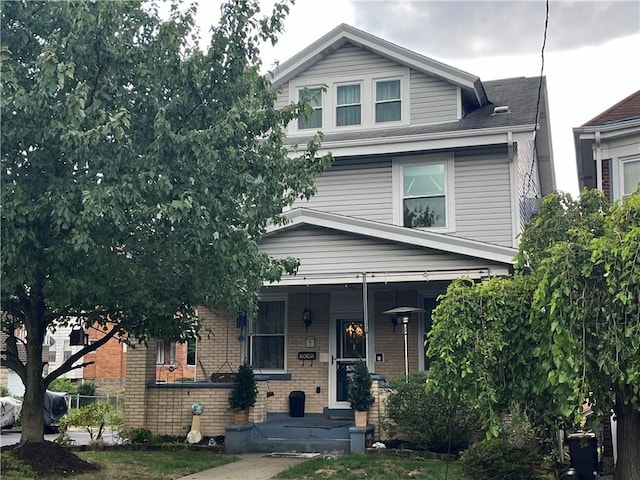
x=56, y=405
x=10, y=409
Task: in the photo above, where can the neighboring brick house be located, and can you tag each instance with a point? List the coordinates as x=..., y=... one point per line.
x=434, y=174
x=608, y=149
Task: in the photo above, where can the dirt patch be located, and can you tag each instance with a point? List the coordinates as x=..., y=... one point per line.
x=48, y=458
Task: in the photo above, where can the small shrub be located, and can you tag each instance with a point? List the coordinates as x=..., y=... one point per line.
x=91, y=417
x=496, y=459
x=360, y=397
x=139, y=435
x=4, y=391
x=427, y=420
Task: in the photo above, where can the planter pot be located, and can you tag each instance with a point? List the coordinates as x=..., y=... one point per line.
x=240, y=417
x=362, y=418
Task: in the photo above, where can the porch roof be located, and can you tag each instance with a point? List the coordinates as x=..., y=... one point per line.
x=483, y=259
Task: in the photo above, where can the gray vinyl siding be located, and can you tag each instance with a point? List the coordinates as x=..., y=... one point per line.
x=350, y=61
x=432, y=100
x=355, y=190
x=283, y=96
x=324, y=251
x=483, y=198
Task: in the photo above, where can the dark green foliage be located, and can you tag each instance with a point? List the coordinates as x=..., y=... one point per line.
x=427, y=420
x=245, y=390
x=495, y=459
x=63, y=384
x=360, y=396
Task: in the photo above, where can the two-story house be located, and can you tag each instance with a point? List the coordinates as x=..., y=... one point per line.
x=434, y=174
x=608, y=149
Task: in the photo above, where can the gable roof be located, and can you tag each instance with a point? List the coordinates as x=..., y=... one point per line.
x=472, y=88
x=626, y=109
x=394, y=233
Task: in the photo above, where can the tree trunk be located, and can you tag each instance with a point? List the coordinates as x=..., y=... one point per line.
x=33, y=405
x=628, y=432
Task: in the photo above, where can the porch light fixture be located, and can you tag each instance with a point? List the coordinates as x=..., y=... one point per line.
x=306, y=318
x=78, y=337
x=404, y=314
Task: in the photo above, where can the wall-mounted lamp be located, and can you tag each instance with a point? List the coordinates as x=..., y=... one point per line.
x=306, y=318
x=77, y=337
x=394, y=322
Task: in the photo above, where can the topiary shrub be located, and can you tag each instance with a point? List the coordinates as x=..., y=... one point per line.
x=496, y=459
x=360, y=397
x=426, y=420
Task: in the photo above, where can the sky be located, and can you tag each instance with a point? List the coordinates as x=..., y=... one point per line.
x=590, y=57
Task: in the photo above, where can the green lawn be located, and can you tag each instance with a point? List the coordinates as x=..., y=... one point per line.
x=373, y=467
x=136, y=465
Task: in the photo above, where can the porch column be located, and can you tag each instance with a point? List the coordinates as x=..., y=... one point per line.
x=141, y=370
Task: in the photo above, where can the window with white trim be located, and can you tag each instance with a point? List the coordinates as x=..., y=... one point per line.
x=388, y=101
x=424, y=192
x=311, y=119
x=630, y=176
x=267, y=336
x=160, y=352
x=348, y=105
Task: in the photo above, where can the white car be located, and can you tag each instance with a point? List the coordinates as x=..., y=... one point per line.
x=10, y=409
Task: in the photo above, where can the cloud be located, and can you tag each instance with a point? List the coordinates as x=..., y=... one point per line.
x=460, y=29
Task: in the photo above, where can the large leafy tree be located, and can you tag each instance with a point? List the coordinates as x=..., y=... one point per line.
x=564, y=328
x=139, y=172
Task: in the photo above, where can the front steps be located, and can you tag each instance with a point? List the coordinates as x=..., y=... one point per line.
x=329, y=432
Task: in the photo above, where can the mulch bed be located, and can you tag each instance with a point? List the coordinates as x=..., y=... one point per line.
x=48, y=458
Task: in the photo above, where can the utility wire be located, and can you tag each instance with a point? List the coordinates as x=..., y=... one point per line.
x=537, y=117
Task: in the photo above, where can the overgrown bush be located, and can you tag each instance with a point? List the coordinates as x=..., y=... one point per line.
x=496, y=459
x=427, y=420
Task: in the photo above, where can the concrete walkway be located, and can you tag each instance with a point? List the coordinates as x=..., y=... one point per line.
x=251, y=466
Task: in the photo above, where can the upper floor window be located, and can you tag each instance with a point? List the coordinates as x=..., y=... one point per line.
x=311, y=119
x=348, y=105
x=424, y=194
x=267, y=339
x=388, y=101
x=630, y=176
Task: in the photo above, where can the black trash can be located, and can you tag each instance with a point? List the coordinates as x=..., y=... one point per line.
x=296, y=403
x=583, y=449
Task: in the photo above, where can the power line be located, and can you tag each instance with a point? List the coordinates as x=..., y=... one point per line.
x=537, y=117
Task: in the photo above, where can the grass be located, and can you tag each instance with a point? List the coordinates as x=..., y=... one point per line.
x=373, y=467
x=134, y=465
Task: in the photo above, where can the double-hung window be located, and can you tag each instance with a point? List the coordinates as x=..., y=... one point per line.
x=267, y=340
x=312, y=118
x=348, y=105
x=630, y=176
x=388, y=101
x=424, y=192
x=423, y=199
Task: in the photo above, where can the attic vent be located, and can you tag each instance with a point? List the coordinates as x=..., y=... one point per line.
x=501, y=109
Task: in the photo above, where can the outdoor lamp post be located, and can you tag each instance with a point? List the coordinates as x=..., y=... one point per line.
x=405, y=314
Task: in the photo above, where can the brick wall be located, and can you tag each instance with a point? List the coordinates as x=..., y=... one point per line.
x=109, y=366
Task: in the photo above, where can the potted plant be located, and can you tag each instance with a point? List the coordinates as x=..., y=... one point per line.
x=360, y=396
x=244, y=393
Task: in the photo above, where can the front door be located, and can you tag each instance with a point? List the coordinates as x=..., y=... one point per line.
x=348, y=346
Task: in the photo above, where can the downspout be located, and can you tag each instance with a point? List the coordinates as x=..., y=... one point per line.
x=514, y=191
x=598, y=160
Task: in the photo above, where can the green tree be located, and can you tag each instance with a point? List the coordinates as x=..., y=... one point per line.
x=139, y=173
x=565, y=328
